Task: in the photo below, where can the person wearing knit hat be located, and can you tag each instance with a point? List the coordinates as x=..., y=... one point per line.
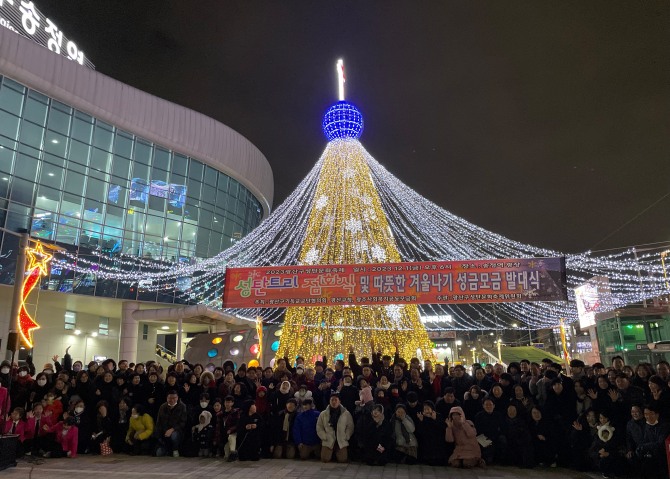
x=365, y=396
x=203, y=434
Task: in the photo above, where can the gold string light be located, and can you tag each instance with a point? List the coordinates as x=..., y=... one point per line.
x=347, y=225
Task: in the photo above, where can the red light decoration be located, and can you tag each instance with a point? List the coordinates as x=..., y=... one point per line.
x=38, y=260
x=254, y=349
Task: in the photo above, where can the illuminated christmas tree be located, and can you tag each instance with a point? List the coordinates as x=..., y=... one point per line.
x=347, y=225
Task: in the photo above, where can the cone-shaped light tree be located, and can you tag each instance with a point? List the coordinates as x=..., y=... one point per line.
x=347, y=225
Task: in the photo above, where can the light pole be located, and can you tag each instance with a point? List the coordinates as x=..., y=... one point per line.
x=458, y=343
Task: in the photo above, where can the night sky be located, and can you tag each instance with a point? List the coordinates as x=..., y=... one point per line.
x=547, y=122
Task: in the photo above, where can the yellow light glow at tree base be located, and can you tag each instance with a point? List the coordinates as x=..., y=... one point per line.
x=37, y=267
x=347, y=225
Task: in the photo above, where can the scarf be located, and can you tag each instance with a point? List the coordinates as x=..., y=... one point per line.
x=334, y=416
x=286, y=426
x=403, y=430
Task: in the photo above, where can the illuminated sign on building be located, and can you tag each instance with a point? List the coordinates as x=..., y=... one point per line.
x=24, y=18
x=140, y=190
x=592, y=297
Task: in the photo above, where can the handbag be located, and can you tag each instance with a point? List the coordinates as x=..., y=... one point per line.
x=105, y=448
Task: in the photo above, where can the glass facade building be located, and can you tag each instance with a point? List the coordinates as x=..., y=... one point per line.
x=101, y=193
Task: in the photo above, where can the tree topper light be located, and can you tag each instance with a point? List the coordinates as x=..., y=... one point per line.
x=38, y=260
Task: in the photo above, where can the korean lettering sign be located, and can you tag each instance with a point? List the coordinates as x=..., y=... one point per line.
x=23, y=17
x=440, y=282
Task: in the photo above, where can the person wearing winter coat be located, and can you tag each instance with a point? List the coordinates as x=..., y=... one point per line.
x=102, y=428
x=651, y=451
x=519, y=441
x=65, y=439
x=604, y=451
x=249, y=433
x=406, y=443
x=203, y=433
x=229, y=418
x=634, y=434
x=430, y=432
x=37, y=429
x=377, y=438
x=140, y=431
x=490, y=424
x=82, y=419
x=17, y=425
x=304, y=431
x=462, y=433
x=542, y=432
x=170, y=425
x=282, y=432
x=335, y=427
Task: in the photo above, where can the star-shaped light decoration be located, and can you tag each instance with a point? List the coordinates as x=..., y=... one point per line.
x=312, y=256
x=348, y=173
x=321, y=202
x=353, y=225
x=378, y=253
x=38, y=261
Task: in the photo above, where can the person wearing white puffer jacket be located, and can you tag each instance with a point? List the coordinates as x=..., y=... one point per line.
x=335, y=427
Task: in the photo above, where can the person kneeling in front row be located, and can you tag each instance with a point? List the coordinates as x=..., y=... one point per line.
x=334, y=427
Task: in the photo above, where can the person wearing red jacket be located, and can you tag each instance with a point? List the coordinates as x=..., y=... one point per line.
x=37, y=429
x=16, y=424
x=5, y=402
x=66, y=439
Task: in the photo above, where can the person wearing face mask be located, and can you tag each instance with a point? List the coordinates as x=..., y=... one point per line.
x=40, y=388
x=170, y=425
x=21, y=388
x=83, y=422
x=5, y=370
x=472, y=402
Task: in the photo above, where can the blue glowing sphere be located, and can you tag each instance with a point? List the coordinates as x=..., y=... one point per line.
x=339, y=356
x=212, y=353
x=275, y=346
x=342, y=120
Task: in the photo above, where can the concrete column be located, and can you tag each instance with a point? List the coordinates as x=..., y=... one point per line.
x=179, y=340
x=128, y=332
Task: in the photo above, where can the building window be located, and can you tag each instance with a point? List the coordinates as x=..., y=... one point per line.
x=70, y=320
x=103, y=327
x=145, y=332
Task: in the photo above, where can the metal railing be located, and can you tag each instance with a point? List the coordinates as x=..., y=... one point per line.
x=166, y=354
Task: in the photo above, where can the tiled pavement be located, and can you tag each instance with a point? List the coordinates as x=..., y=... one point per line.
x=127, y=467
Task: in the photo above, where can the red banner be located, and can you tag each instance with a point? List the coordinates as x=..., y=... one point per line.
x=437, y=282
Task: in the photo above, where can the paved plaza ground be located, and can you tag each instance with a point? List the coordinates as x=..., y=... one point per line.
x=128, y=467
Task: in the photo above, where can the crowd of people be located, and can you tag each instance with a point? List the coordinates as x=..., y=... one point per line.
x=614, y=419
